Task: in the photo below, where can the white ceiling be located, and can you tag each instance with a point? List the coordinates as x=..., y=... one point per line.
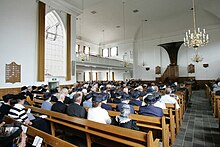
x=164, y=16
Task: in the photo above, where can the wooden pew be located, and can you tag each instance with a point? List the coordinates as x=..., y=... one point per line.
x=176, y=115
x=149, y=122
x=48, y=140
x=215, y=105
x=172, y=113
x=108, y=133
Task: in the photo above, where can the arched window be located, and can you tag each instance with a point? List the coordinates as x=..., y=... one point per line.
x=55, y=45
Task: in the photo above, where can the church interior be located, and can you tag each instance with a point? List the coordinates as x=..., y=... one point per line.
x=105, y=49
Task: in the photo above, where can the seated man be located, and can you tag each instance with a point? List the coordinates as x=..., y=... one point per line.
x=59, y=106
x=169, y=99
x=75, y=109
x=149, y=109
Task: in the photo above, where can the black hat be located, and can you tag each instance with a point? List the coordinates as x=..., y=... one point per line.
x=23, y=88
x=157, y=95
x=150, y=99
x=136, y=94
x=97, y=98
x=34, y=87
x=125, y=96
x=88, y=96
x=7, y=97
x=19, y=96
x=47, y=95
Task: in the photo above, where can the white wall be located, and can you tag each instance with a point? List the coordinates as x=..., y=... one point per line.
x=152, y=55
x=19, y=33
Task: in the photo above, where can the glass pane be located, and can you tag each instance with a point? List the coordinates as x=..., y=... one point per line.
x=77, y=48
x=87, y=50
x=54, y=48
x=114, y=51
x=105, y=52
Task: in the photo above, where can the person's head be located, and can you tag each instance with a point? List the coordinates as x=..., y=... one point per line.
x=61, y=97
x=29, y=88
x=125, y=90
x=96, y=100
x=168, y=90
x=150, y=99
x=105, y=97
x=125, y=98
x=64, y=91
x=136, y=94
x=24, y=89
x=18, y=99
x=47, y=96
x=77, y=98
x=6, y=98
x=125, y=110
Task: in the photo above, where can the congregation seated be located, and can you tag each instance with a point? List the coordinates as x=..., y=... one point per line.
x=19, y=113
x=123, y=119
x=75, y=109
x=46, y=103
x=5, y=105
x=149, y=109
x=96, y=113
x=168, y=98
x=59, y=106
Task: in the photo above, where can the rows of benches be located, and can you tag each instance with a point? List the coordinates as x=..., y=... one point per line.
x=109, y=134
x=215, y=102
x=172, y=116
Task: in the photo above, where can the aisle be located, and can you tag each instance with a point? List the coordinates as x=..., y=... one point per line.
x=199, y=127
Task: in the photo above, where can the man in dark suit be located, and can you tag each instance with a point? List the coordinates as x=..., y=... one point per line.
x=59, y=106
x=74, y=109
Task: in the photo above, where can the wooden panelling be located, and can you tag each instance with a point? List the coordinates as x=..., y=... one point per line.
x=4, y=91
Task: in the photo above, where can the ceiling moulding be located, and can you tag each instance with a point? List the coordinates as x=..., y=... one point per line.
x=64, y=6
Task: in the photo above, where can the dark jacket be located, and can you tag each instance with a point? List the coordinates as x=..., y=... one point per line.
x=135, y=103
x=59, y=107
x=106, y=106
x=76, y=110
x=4, y=109
x=130, y=124
x=151, y=110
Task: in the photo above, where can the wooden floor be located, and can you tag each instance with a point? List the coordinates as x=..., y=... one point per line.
x=199, y=127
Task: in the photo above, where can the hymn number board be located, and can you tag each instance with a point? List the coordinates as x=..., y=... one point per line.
x=12, y=73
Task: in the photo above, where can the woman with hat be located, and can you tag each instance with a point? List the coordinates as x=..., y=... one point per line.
x=149, y=109
x=96, y=113
x=123, y=119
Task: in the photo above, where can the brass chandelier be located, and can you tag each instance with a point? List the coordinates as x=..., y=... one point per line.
x=198, y=37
